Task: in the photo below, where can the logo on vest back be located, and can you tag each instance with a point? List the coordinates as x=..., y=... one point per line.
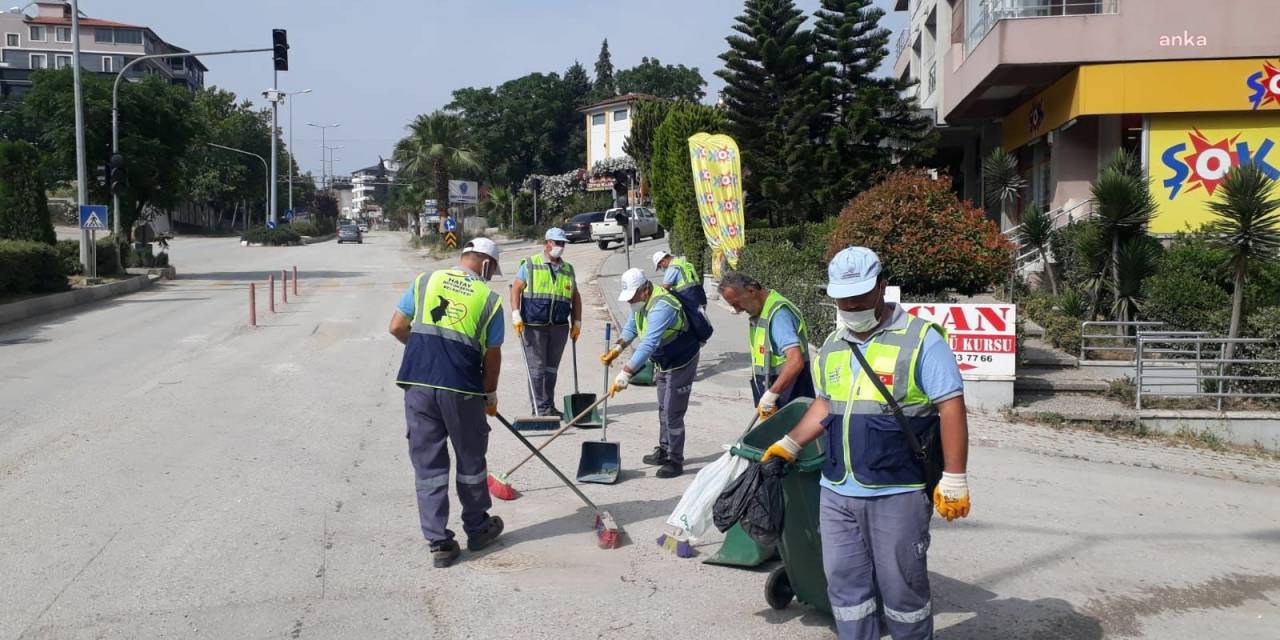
x=886, y=378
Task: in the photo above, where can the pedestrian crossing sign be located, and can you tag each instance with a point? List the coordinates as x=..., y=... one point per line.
x=93, y=216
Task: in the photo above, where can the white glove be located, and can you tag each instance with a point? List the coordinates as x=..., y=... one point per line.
x=515, y=317
x=622, y=380
x=768, y=402
x=953, y=486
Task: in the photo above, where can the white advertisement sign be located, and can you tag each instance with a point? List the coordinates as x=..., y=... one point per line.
x=983, y=336
x=464, y=192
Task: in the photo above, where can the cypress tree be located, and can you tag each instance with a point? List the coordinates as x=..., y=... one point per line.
x=605, y=87
x=24, y=209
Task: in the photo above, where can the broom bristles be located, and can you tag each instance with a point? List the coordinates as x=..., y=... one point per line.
x=500, y=489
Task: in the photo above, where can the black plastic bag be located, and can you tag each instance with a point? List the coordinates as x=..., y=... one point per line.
x=754, y=500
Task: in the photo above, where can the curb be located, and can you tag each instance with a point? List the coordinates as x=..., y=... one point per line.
x=22, y=310
x=318, y=239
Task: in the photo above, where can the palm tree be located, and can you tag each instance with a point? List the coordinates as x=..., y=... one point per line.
x=1002, y=182
x=436, y=145
x=1124, y=206
x=498, y=205
x=1034, y=233
x=1248, y=226
x=1135, y=261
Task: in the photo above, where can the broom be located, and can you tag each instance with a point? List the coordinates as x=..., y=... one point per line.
x=608, y=533
x=500, y=485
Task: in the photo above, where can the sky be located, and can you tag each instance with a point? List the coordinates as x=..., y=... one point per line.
x=373, y=66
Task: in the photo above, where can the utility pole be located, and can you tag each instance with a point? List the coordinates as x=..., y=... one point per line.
x=322, y=127
x=291, y=159
x=88, y=245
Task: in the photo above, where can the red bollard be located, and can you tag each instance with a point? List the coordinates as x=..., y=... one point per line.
x=284, y=284
x=253, y=304
x=295, y=279
x=271, y=282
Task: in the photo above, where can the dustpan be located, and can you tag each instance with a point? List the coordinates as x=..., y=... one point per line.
x=601, y=462
x=577, y=402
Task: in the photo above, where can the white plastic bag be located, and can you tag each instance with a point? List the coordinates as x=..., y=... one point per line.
x=693, y=513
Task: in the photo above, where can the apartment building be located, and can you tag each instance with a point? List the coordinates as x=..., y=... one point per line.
x=363, y=184
x=1192, y=88
x=40, y=38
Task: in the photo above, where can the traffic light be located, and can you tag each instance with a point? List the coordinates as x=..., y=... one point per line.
x=280, y=49
x=117, y=176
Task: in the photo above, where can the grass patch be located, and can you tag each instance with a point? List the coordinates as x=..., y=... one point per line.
x=1202, y=439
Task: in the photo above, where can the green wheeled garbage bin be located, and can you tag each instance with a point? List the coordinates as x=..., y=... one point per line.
x=800, y=576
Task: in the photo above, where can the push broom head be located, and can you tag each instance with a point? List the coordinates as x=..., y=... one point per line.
x=608, y=533
x=501, y=489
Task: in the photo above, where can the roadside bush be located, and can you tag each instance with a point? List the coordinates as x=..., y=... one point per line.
x=792, y=260
x=24, y=208
x=69, y=253
x=1263, y=323
x=1062, y=331
x=305, y=229
x=928, y=240
x=108, y=249
x=28, y=266
x=279, y=236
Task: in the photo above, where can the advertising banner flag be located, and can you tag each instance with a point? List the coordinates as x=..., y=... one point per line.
x=717, y=180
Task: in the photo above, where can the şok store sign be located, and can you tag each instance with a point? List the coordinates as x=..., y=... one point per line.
x=1190, y=155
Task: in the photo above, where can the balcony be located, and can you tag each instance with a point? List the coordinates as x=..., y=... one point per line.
x=992, y=11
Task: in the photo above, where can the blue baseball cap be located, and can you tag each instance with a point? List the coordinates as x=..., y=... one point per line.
x=556, y=234
x=852, y=272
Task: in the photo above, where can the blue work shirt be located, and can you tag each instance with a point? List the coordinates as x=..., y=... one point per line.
x=661, y=317
x=784, y=331
x=937, y=375
x=497, y=328
x=672, y=275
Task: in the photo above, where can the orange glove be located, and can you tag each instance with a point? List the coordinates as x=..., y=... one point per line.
x=575, y=331
x=620, y=383
x=951, y=496
x=786, y=448
x=491, y=403
x=608, y=358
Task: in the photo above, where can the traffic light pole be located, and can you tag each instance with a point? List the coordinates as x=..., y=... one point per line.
x=275, y=116
x=87, y=244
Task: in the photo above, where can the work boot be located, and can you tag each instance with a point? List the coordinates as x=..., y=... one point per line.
x=670, y=470
x=487, y=533
x=445, y=553
x=658, y=457
x=555, y=412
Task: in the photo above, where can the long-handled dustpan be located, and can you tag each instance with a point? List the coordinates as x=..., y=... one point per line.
x=575, y=402
x=601, y=462
x=534, y=422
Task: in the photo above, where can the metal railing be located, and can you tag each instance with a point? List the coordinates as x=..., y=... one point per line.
x=992, y=11
x=904, y=37
x=1123, y=341
x=1060, y=217
x=1180, y=366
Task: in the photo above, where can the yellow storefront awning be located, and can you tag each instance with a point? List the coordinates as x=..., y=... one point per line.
x=1180, y=86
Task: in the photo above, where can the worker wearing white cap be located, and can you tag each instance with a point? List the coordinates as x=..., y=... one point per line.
x=546, y=312
x=882, y=370
x=450, y=322
x=667, y=337
x=680, y=277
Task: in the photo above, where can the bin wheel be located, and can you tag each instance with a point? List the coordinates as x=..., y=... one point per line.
x=777, y=589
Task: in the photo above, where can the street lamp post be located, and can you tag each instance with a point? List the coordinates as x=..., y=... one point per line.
x=265, y=170
x=322, y=127
x=289, y=104
x=87, y=245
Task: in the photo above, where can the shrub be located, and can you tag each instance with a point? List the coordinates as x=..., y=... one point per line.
x=275, y=237
x=69, y=253
x=108, y=250
x=31, y=267
x=792, y=260
x=674, y=197
x=24, y=209
x=306, y=229
x=1263, y=323
x=928, y=240
x=1062, y=331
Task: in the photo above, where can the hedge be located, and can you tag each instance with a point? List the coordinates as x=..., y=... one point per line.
x=279, y=236
x=31, y=267
x=792, y=261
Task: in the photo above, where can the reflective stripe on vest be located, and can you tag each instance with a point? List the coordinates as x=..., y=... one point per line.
x=548, y=295
x=677, y=345
x=760, y=338
x=452, y=312
x=859, y=414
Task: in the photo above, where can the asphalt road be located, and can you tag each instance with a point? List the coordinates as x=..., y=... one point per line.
x=166, y=471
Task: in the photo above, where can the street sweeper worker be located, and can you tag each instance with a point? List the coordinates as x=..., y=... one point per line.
x=659, y=321
x=778, y=338
x=546, y=311
x=875, y=504
x=680, y=277
x=451, y=324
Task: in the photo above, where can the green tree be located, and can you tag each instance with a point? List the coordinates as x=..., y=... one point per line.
x=578, y=83
x=645, y=120
x=24, y=210
x=437, y=144
x=1247, y=226
x=1034, y=233
x=672, y=82
x=605, y=86
x=1002, y=183
x=230, y=182
x=523, y=126
x=1124, y=206
x=769, y=96
x=675, y=200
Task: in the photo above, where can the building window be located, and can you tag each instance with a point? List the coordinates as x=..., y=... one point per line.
x=62, y=34
x=177, y=64
x=619, y=115
x=61, y=62
x=104, y=36
x=11, y=40
x=108, y=64
x=597, y=118
x=128, y=36
x=931, y=80
x=39, y=61
x=38, y=34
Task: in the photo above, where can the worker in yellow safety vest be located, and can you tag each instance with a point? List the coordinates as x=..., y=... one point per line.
x=680, y=277
x=546, y=312
x=778, y=338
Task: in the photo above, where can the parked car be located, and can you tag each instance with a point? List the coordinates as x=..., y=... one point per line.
x=350, y=233
x=642, y=221
x=578, y=228
x=363, y=227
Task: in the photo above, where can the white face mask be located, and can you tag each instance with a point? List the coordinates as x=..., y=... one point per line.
x=486, y=270
x=556, y=251
x=637, y=307
x=857, y=321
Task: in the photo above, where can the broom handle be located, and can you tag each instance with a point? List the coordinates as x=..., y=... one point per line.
x=575, y=366
x=536, y=451
x=558, y=433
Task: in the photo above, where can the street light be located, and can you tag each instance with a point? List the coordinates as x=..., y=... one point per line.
x=323, y=128
x=267, y=171
x=289, y=104
x=331, y=158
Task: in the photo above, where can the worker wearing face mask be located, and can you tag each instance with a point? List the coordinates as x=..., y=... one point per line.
x=875, y=507
x=666, y=335
x=546, y=312
x=451, y=324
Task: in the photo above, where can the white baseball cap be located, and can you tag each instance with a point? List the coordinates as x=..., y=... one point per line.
x=632, y=281
x=556, y=234
x=658, y=256
x=852, y=272
x=488, y=248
